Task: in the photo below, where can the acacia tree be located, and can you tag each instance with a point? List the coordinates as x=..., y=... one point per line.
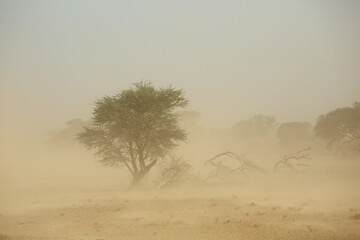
x=341, y=126
x=135, y=128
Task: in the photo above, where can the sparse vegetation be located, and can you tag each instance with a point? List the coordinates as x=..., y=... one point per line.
x=174, y=171
x=227, y=158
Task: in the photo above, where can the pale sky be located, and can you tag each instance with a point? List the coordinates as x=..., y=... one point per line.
x=234, y=59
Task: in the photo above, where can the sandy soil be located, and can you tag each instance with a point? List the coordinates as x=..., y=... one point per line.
x=186, y=213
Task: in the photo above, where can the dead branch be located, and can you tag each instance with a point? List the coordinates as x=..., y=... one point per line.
x=225, y=171
x=285, y=161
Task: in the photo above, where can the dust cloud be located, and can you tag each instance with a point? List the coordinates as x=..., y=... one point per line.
x=54, y=187
x=273, y=124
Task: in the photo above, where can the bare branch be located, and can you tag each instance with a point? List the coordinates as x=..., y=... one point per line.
x=285, y=160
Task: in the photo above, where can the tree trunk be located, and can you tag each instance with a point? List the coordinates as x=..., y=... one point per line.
x=137, y=177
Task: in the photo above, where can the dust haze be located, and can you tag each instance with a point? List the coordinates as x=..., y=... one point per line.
x=272, y=148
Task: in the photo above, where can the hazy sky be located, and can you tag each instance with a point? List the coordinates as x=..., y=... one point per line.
x=234, y=59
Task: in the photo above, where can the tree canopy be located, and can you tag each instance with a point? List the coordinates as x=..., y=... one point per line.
x=135, y=128
x=257, y=126
x=341, y=126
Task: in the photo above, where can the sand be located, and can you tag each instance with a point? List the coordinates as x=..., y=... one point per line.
x=197, y=212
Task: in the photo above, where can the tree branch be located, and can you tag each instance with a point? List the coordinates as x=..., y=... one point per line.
x=148, y=167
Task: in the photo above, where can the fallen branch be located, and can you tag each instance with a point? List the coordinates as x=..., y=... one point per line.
x=286, y=160
x=225, y=171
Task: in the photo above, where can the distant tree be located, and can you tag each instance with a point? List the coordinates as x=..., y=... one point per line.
x=135, y=128
x=66, y=136
x=340, y=127
x=255, y=127
x=293, y=133
x=188, y=119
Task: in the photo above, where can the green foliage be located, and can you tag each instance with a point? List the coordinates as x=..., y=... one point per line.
x=135, y=127
x=293, y=133
x=341, y=126
x=255, y=127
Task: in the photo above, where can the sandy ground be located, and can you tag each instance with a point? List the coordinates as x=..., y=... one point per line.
x=210, y=212
x=324, y=204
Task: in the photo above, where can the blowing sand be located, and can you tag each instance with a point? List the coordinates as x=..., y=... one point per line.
x=286, y=207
